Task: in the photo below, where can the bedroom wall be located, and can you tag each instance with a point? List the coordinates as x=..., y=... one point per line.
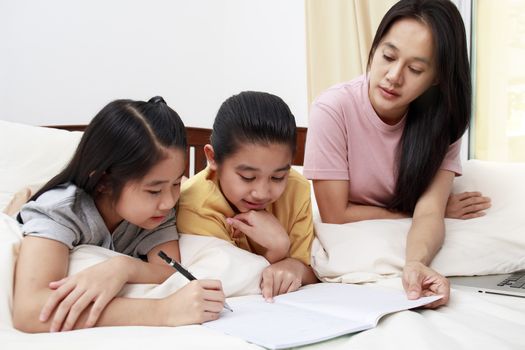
x=62, y=60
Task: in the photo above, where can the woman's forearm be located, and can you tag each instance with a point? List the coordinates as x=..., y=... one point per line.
x=355, y=212
x=425, y=238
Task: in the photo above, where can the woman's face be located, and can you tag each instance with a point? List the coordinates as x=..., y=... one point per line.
x=402, y=68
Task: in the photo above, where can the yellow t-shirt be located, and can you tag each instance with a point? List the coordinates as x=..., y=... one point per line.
x=203, y=210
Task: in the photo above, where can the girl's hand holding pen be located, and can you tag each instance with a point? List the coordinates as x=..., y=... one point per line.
x=197, y=302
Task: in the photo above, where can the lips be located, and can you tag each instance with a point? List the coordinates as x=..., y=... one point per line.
x=255, y=205
x=158, y=218
x=388, y=93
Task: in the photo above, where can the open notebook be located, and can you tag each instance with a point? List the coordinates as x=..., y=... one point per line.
x=312, y=314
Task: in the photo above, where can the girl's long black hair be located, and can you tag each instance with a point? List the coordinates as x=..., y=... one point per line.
x=122, y=143
x=439, y=116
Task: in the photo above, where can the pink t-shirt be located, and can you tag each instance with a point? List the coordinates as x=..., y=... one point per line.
x=347, y=140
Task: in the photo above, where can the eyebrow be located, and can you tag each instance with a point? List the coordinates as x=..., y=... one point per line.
x=244, y=167
x=160, y=182
x=394, y=47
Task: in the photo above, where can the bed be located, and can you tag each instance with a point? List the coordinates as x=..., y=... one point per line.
x=368, y=252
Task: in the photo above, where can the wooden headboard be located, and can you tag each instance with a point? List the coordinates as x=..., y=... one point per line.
x=197, y=138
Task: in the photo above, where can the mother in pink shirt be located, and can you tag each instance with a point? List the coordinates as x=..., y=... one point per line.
x=386, y=144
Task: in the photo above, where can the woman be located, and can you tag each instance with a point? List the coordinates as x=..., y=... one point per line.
x=386, y=144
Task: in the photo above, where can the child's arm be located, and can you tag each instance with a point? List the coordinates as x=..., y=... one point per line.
x=43, y=260
x=264, y=229
x=285, y=276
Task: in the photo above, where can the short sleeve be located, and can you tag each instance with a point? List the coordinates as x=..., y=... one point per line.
x=59, y=223
x=452, y=161
x=326, y=149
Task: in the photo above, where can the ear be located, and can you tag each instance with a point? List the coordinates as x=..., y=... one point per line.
x=102, y=185
x=210, y=156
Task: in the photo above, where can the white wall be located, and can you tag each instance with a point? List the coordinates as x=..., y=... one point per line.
x=62, y=60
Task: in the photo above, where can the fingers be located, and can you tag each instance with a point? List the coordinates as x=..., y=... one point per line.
x=239, y=225
x=467, y=205
x=412, y=284
x=54, y=299
x=209, y=284
x=57, y=284
x=75, y=310
x=96, y=310
x=267, y=286
x=64, y=308
x=465, y=195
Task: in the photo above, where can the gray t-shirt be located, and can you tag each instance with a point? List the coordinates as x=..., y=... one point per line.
x=67, y=214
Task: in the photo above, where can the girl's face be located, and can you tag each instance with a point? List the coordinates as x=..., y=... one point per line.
x=402, y=69
x=254, y=176
x=147, y=202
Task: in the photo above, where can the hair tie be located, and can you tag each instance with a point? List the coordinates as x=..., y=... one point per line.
x=156, y=99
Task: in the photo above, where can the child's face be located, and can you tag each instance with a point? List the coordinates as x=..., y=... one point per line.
x=147, y=201
x=255, y=175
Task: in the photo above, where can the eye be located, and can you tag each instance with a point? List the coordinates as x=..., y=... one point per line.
x=153, y=193
x=277, y=179
x=388, y=58
x=415, y=71
x=247, y=179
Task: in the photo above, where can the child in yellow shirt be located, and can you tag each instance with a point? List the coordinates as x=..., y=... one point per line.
x=249, y=195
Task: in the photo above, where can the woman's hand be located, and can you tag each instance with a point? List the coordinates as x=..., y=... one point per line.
x=420, y=280
x=197, y=302
x=264, y=229
x=282, y=277
x=96, y=286
x=466, y=205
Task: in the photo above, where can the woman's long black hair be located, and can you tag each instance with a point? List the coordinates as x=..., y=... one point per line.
x=122, y=143
x=439, y=116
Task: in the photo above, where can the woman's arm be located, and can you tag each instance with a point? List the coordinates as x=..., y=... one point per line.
x=425, y=238
x=332, y=199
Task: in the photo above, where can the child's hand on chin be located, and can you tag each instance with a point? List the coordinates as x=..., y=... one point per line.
x=264, y=229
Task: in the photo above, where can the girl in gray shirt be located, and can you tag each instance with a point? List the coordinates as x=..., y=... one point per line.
x=118, y=192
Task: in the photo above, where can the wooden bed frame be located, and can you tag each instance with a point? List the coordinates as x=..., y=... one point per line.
x=197, y=138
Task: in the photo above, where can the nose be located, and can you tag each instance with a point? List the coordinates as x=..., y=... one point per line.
x=168, y=200
x=261, y=191
x=394, y=75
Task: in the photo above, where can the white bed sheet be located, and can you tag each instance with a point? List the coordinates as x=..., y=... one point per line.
x=470, y=321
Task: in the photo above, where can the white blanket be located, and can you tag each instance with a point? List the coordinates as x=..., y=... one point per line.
x=470, y=321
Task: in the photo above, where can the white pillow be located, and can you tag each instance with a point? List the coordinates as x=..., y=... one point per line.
x=31, y=155
x=369, y=250
x=205, y=257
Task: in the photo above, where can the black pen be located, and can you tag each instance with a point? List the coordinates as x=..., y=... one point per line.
x=183, y=271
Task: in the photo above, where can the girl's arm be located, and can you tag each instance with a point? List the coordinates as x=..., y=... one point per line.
x=332, y=199
x=42, y=261
x=425, y=238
